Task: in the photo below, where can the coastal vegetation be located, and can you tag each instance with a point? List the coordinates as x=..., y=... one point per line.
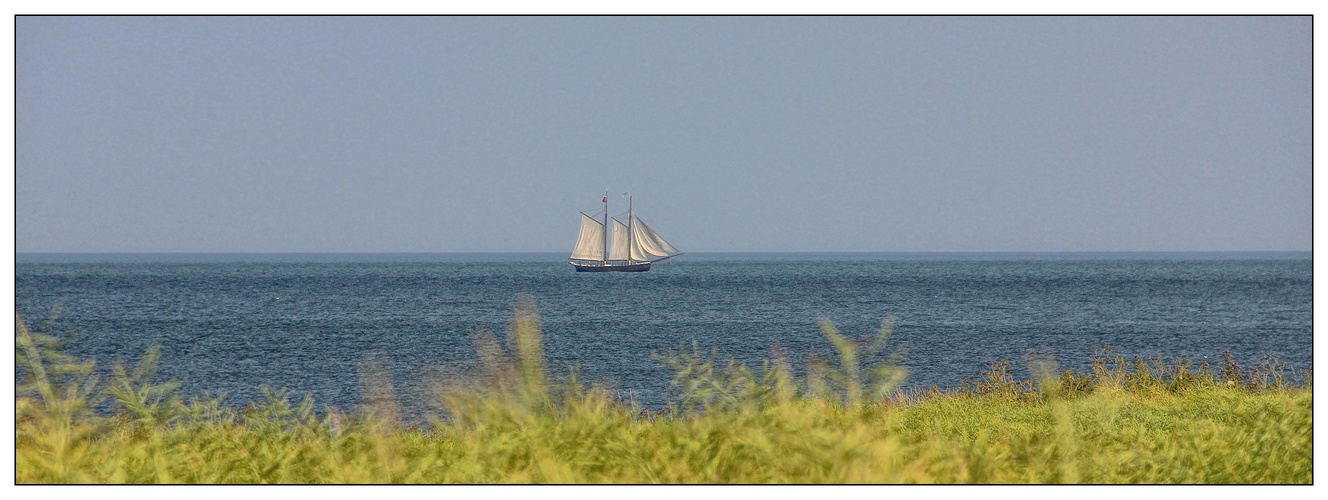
x=846, y=420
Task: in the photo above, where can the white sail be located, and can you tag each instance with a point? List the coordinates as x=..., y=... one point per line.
x=618, y=249
x=590, y=242
x=647, y=243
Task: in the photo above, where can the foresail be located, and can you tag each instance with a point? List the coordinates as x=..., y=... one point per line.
x=618, y=249
x=590, y=241
x=647, y=243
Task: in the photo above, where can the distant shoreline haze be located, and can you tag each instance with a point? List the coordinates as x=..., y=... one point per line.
x=57, y=257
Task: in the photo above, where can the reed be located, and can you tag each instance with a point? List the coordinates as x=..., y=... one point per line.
x=1123, y=421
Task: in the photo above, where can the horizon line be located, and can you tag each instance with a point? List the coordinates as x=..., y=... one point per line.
x=687, y=253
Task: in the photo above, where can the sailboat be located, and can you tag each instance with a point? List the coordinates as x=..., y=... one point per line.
x=632, y=248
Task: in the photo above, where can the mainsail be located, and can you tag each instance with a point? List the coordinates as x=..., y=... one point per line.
x=618, y=249
x=590, y=241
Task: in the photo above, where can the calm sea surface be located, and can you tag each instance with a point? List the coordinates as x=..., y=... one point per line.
x=232, y=323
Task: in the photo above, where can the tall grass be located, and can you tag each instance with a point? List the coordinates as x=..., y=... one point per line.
x=1123, y=421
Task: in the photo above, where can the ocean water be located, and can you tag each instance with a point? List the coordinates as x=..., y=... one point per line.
x=233, y=323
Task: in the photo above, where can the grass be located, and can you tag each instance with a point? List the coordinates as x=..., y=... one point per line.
x=1123, y=421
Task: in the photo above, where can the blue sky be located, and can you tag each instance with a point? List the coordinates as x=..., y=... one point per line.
x=480, y=134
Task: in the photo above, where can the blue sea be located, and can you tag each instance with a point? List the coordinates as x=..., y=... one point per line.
x=231, y=323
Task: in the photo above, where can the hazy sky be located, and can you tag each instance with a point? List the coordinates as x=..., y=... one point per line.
x=469, y=134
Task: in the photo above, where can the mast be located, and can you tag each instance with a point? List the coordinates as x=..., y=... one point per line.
x=605, y=262
x=630, y=237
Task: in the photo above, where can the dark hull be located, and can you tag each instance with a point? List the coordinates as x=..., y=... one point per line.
x=634, y=268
